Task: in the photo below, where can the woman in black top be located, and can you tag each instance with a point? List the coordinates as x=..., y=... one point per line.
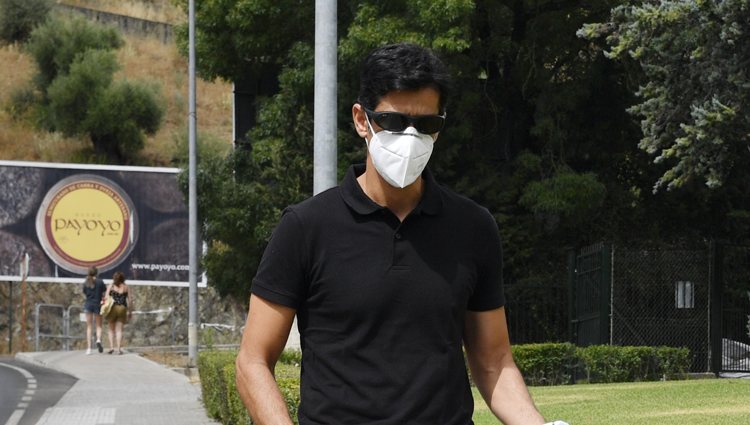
x=93, y=288
x=121, y=310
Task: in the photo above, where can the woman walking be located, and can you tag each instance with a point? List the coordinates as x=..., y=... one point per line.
x=121, y=311
x=93, y=288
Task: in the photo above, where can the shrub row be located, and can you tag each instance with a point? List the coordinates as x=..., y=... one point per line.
x=540, y=364
x=564, y=363
x=219, y=392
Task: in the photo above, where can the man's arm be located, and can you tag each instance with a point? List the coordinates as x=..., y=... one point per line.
x=494, y=371
x=263, y=340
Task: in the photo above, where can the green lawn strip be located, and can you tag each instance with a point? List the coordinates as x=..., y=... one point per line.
x=695, y=402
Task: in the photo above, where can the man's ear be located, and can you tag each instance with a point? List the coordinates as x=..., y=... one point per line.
x=360, y=120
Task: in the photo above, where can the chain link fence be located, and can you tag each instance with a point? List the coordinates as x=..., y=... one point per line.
x=735, y=315
x=661, y=297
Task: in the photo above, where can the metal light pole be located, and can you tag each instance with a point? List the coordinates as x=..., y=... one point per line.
x=324, y=134
x=193, y=197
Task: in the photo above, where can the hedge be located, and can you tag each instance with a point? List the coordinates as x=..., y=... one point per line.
x=540, y=364
x=564, y=363
x=219, y=391
x=607, y=363
x=213, y=381
x=546, y=364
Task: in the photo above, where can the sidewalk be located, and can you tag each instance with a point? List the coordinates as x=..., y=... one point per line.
x=120, y=390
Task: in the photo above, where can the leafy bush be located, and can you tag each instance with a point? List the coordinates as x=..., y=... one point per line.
x=560, y=363
x=73, y=94
x=291, y=357
x=237, y=413
x=220, y=395
x=605, y=363
x=546, y=364
x=76, y=67
x=121, y=117
x=23, y=99
x=541, y=364
x=211, y=366
x=19, y=17
x=55, y=45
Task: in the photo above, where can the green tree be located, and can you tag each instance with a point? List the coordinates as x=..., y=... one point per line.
x=56, y=44
x=236, y=39
x=695, y=56
x=76, y=67
x=19, y=17
x=73, y=94
x=533, y=104
x=538, y=131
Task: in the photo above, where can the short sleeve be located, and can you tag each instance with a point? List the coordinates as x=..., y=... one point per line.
x=488, y=292
x=282, y=275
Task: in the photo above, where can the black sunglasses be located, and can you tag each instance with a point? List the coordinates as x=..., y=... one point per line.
x=397, y=122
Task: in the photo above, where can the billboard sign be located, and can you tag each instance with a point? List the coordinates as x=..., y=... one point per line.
x=69, y=217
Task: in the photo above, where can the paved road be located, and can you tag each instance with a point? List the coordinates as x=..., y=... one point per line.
x=28, y=390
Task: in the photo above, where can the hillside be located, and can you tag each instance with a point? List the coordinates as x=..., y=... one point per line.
x=141, y=58
x=163, y=311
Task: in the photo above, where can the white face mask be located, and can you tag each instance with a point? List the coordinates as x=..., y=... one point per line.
x=399, y=157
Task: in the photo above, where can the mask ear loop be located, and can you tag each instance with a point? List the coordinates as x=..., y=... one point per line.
x=372, y=130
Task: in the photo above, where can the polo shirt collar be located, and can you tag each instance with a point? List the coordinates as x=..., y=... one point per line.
x=431, y=202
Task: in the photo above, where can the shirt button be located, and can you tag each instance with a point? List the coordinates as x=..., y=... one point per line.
x=398, y=235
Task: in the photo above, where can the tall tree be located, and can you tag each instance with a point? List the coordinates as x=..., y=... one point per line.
x=696, y=56
x=78, y=95
x=537, y=129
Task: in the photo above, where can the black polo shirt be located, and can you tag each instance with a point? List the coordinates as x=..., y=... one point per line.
x=381, y=303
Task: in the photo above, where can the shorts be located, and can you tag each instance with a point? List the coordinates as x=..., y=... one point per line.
x=119, y=313
x=91, y=308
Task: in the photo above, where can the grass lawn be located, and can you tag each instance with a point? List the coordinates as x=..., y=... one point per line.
x=694, y=402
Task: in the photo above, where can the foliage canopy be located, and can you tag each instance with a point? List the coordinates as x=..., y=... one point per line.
x=79, y=96
x=19, y=17
x=695, y=55
x=538, y=129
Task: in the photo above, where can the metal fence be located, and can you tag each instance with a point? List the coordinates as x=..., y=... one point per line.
x=696, y=297
x=734, y=322
x=661, y=297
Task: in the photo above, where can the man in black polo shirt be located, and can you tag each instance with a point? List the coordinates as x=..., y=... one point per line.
x=390, y=276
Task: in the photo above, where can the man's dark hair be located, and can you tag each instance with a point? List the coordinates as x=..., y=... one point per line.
x=401, y=66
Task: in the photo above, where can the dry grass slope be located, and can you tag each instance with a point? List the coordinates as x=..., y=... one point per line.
x=143, y=59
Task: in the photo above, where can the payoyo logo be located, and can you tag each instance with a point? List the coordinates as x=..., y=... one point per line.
x=87, y=220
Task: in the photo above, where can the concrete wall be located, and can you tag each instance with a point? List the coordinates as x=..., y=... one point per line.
x=126, y=24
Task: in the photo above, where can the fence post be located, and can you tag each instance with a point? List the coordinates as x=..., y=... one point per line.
x=66, y=329
x=36, y=328
x=716, y=293
x=572, y=318
x=605, y=286
x=10, y=317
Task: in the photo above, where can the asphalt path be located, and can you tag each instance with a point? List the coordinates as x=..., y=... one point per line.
x=27, y=390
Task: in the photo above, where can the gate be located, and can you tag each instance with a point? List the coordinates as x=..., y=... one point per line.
x=730, y=309
x=589, y=301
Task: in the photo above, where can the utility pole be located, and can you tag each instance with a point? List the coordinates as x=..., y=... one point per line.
x=324, y=133
x=193, y=197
